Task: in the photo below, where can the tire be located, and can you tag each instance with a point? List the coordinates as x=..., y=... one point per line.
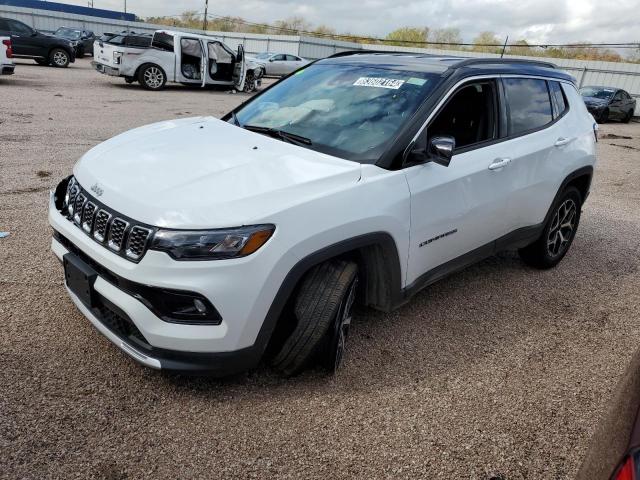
x=558, y=233
x=628, y=117
x=152, y=77
x=604, y=116
x=322, y=309
x=59, y=58
x=249, y=83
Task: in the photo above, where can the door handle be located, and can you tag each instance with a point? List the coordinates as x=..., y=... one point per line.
x=562, y=141
x=499, y=163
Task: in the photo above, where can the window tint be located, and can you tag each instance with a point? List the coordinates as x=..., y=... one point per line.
x=19, y=27
x=468, y=116
x=162, y=41
x=557, y=96
x=279, y=58
x=291, y=58
x=618, y=96
x=529, y=104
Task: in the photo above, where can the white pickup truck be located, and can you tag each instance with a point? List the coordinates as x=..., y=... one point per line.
x=7, y=67
x=179, y=57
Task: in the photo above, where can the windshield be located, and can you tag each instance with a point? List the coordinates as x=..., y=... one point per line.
x=352, y=112
x=68, y=33
x=597, y=92
x=263, y=56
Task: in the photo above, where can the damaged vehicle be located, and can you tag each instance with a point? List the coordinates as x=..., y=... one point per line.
x=179, y=57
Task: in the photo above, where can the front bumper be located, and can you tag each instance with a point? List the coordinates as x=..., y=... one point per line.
x=105, y=69
x=232, y=346
x=7, y=69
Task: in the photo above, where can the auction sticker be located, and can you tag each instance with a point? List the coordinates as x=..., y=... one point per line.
x=391, y=83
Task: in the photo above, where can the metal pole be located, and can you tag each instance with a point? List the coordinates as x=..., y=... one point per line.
x=504, y=47
x=206, y=10
x=125, y=6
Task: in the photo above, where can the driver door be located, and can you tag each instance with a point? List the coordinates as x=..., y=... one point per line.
x=24, y=39
x=192, y=61
x=240, y=69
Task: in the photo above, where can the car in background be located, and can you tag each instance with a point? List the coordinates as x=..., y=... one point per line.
x=179, y=57
x=608, y=103
x=30, y=43
x=279, y=64
x=6, y=65
x=81, y=40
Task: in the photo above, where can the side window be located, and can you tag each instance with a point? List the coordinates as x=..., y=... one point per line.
x=528, y=103
x=279, y=58
x=618, y=97
x=19, y=27
x=558, y=99
x=163, y=41
x=469, y=115
x=291, y=58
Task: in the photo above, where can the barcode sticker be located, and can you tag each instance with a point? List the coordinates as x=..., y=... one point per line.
x=391, y=83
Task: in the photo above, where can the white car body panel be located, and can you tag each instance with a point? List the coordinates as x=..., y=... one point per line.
x=6, y=65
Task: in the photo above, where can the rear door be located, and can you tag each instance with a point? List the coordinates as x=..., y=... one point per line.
x=539, y=145
x=24, y=39
x=190, y=57
x=240, y=69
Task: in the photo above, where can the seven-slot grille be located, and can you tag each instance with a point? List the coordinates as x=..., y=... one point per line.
x=116, y=232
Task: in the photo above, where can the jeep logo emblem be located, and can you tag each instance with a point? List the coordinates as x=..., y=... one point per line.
x=95, y=188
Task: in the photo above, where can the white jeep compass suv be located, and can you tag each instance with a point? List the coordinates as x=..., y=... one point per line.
x=208, y=245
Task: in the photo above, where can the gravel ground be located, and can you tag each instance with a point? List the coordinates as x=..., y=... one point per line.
x=498, y=371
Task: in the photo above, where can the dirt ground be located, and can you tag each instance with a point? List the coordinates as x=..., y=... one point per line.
x=499, y=371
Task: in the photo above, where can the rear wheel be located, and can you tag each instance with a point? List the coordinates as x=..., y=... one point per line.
x=628, y=116
x=604, y=116
x=558, y=233
x=322, y=310
x=59, y=58
x=152, y=77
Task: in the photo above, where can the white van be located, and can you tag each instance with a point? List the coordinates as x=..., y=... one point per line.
x=178, y=57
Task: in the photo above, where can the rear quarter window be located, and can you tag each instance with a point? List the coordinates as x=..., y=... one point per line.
x=163, y=41
x=558, y=99
x=529, y=104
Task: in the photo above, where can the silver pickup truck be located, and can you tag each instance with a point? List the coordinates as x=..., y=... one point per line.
x=178, y=57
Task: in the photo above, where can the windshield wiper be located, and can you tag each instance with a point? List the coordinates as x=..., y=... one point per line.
x=281, y=134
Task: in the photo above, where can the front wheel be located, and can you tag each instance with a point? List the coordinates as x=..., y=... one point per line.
x=558, y=233
x=59, y=58
x=322, y=311
x=152, y=77
x=250, y=84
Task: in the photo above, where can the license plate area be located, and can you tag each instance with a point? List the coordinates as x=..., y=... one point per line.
x=80, y=278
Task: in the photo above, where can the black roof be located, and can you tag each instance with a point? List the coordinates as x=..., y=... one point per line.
x=422, y=62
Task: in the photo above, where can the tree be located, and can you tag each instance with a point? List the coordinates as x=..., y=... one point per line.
x=408, y=35
x=446, y=35
x=521, y=47
x=486, y=38
x=292, y=25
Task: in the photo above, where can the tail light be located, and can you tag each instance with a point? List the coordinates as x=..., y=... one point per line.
x=628, y=470
x=7, y=43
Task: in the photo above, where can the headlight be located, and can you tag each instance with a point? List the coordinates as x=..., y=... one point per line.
x=212, y=244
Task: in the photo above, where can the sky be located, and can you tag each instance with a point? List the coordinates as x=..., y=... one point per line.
x=539, y=21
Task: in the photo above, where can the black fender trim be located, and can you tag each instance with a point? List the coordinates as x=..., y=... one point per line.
x=382, y=239
x=581, y=172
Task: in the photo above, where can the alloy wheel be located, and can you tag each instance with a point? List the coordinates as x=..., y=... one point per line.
x=60, y=58
x=153, y=77
x=562, y=228
x=341, y=328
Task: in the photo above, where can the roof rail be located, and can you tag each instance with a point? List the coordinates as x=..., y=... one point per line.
x=473, y=61
x=384, y=52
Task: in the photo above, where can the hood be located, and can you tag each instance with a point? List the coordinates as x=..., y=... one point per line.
x=206, y=173
x=595, y=102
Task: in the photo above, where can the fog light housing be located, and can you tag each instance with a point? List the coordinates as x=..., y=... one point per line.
x=178, y=306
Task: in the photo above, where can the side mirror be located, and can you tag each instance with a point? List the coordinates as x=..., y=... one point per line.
x=34, y=33
x=440, y=150
x=271, y=59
